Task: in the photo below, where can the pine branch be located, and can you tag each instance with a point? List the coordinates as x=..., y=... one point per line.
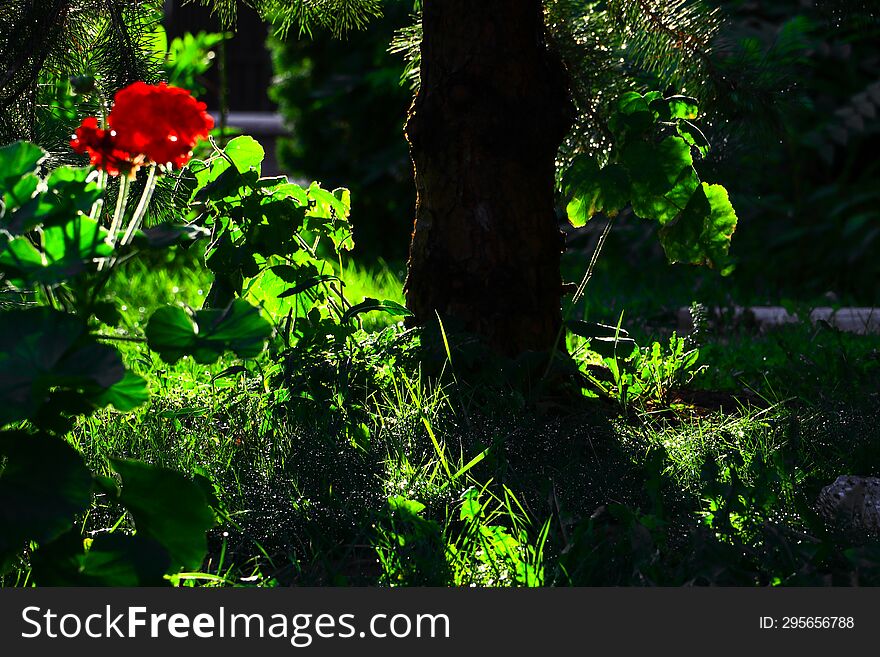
x=44, y=43
x=337, y=16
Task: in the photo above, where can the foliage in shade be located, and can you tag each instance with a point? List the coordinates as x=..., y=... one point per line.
x=344, y=107
x=167, y=507
x=43, y=483
x=50, y=363
x=115, y=559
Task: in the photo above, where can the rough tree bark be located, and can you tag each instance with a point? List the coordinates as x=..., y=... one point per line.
x=484, y=131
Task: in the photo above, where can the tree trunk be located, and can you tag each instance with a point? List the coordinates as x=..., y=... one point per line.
x=484, y=131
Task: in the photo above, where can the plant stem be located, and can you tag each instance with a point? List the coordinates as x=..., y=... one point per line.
x=119, y=338
x=579, y=293
x=141, y=208
x=98, y=206
x=589, y=273
x=118, y=216
x=119, y=211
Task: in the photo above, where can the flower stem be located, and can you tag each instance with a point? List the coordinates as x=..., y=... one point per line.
x=98, y=205
x=119, y=212
x=141, y=208
x=118, y=215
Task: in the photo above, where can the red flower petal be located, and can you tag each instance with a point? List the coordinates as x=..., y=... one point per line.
x=104, y=152
x=161, y=122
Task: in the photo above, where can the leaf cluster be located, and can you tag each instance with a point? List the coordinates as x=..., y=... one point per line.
x=651, y=168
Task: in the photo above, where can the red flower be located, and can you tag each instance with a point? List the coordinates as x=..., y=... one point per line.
x=163, y=123
x=104, y=152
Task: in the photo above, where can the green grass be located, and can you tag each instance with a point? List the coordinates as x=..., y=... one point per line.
x=373, y=471
x=380, y=281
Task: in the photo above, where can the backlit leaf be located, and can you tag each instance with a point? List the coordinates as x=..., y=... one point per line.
x=246, y=153
x=593, y=190
x=17, y=160
x=663, y=178
x=702, y=233
x=207, y=334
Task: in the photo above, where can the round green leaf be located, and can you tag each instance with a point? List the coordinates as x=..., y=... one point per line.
x=702, y=233
x=593, y=190
x=17, y=160
x=205, y=336
x=115, y=559
x=663, y=177
x=44, y=352
x=125, y=395
x=245, y=152
x=167, y=507
x=66, y=251
x=43, y=486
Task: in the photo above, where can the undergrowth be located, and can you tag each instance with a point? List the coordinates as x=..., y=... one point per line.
x=366, y=467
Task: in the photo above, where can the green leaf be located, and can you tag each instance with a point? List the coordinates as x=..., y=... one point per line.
x=107, y=312
x=172, y=333
x=65, y=252
x=44, y=485
x=369, y=305
x=328, y=215
x=270, y=289
x=125, y=395
x=43, y=351
x=292, y=191
x=610, y=347
x=631, y=102
x=246, y=153
x=606, y=340
x=693, y=136
x=307, y=285
x=224, y=185
x=634, y=116
x=78, y=240
x=663, y=178
x=208, y=333
x=17, y=160
x=113, y=559
x=207, y=172
x=67, y=193
x=676, y=107
x=70, y=190
x=471, y=507
x=167, y=507
x=276, y=234
x=240, y=328
x=593, y=190
x=20, y=194
x=702, y=233
x=405, y=506
x=327, y=203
